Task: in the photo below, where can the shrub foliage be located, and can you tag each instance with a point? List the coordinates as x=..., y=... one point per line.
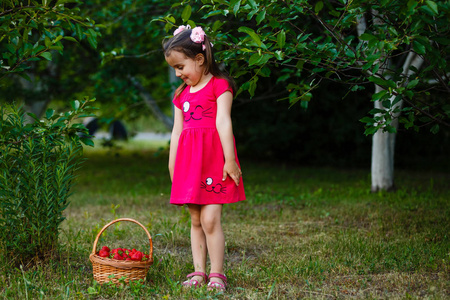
x=37, y=172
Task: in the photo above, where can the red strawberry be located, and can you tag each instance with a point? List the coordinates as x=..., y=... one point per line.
x=103, y=253
x=118, y=256
x=105, y=248
x=137, y=256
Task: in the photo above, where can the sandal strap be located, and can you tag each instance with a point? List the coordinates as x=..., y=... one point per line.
x=198, y=274
x=215, y=284
x=218, y=275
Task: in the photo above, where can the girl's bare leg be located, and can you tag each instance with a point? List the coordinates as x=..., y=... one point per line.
x=198, y=242
x=212, y=227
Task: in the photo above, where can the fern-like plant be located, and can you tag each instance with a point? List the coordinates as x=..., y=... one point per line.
x=37, y=171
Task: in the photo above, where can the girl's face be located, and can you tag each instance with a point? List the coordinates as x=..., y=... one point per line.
x=188, y=69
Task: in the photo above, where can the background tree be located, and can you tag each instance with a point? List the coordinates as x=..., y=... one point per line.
x=117, y=68
x=400, y=48
x=30, y=36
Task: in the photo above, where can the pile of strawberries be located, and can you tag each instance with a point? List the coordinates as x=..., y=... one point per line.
x=123, y=254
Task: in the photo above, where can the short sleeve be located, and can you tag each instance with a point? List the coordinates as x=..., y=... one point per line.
x=176, y=100
x=221, y=86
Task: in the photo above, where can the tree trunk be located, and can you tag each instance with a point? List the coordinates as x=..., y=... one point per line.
x=383, y=143
x=383, y=146
x=34, y=106
x=37, y=108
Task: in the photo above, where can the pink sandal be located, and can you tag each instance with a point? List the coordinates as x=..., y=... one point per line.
x=214, y=285
x=194, y=282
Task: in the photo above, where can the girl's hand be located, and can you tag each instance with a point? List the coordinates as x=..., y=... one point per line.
x=232, y=169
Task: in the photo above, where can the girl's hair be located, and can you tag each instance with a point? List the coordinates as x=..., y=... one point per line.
x=182, y=43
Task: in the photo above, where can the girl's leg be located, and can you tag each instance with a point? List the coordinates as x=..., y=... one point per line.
x=198, y=242
x=211, y=223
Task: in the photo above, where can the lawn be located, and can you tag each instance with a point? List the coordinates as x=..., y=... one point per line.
x=313, y=233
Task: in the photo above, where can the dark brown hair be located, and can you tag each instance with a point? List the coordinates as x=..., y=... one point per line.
x=182, y=43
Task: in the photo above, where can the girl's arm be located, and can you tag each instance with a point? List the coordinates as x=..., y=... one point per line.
x=225, y=130
x=176, y=132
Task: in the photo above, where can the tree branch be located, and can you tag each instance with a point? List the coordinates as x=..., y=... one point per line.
x=151, y=103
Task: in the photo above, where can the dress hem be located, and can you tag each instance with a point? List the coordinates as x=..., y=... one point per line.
x=181, y=203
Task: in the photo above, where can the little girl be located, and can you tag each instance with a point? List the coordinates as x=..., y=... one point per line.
x=203, y=164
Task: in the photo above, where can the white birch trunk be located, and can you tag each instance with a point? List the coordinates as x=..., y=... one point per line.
x=383, y=143
x=383, y=146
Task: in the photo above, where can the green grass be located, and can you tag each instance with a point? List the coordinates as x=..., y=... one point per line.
x=314, y=233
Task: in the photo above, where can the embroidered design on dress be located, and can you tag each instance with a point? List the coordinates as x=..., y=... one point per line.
x=208, y=186
x=197, y=113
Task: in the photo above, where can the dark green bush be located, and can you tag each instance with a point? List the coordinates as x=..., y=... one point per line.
x=37, y=166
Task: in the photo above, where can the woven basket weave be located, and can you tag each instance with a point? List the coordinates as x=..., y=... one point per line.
x=104, y=267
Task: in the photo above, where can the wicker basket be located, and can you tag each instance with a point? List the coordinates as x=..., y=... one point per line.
x=104, y=267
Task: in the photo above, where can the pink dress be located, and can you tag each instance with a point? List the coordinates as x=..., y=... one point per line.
x=198, y=171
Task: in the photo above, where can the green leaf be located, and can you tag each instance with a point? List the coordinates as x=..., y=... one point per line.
x=10, y=48
x=24, y=76
x=92, y=40
x=265, y=72
x=254, y=59
x=251, y=33
x=379, y=95
x=234, y=6
x=433, y=6
x=377, y=80
x=412, y=83
x=217, y=25
x=252, y=87
x=69, y=38
x=419, y=48
x=281, y=39
x=78, y=31
x=367, y=120
x=186, y=14
x=215, y=13
x=318, y=7
x=46, y=55
x=257, y=59
x=371, y=130
x=260, y=17
x=435, y=129
x=374, y=111
x=49, y=113
x=75, y=104
x=386, y=103
x=47, y=42
x=87, y=141
x=170, y=19
x=397, y=99
x=367, y=37
x=390, y=129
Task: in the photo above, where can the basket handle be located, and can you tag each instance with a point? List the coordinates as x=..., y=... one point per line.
x=129, y=220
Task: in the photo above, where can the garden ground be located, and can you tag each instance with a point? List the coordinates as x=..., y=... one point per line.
x=313, y=233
